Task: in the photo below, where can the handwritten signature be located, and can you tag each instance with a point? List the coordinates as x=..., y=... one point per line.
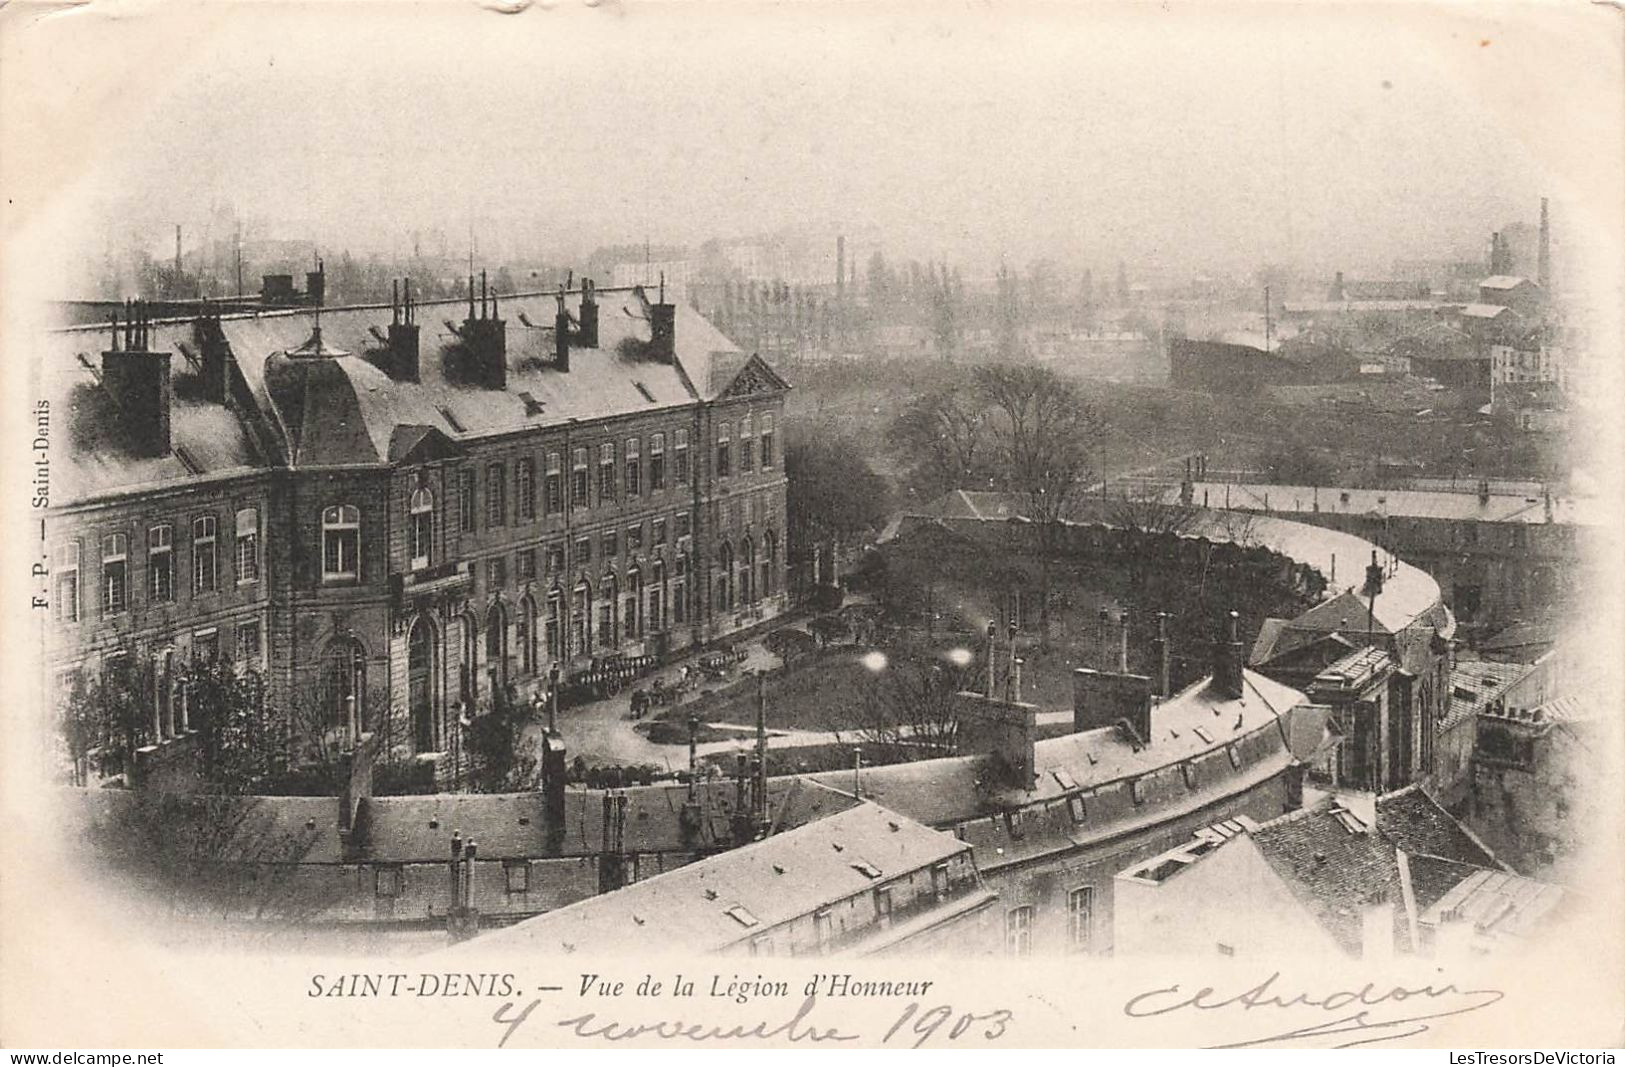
x=1369, y=1015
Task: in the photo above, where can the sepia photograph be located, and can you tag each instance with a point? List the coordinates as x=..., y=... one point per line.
x=812, y=525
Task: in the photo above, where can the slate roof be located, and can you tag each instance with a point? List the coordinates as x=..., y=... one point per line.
x=1413, y=821
x=1500, y=906
x=718, y=901
x=208, y=440
x=1504, y=281
x=341, y=409
x=1476, y=683
x=1334, y=871
x=408, y=829
x=943, y=792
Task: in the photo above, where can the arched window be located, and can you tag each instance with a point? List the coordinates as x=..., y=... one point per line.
x=341, y=542
x=725, y=577
x=632, y=610
x=496, y=649
x=656, y=618
x=581, y=618
x=343, y=679
x=608, y=632
x=747, y=568
x=525, y=634
x=420, y=684
x=679, y=589
x=555, y=623
x=467, y=676
x=422, y=528
x=770, y=559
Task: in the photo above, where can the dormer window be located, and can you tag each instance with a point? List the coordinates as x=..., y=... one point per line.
x=422, y=527
x=341, y=543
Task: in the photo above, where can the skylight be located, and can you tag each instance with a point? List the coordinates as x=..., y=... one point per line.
x=452, y=419
x=741, y=915
x=865, y=868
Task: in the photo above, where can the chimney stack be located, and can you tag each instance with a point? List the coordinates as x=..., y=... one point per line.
x=137, y=380
x=1104, y=639
x=1339, y=291
x=588, y=334
x=663, y=328
x=1104, y=698
x=485, y=341
x=403, y=333
x=561, y=336
x=219, y=364
x=1227, y=659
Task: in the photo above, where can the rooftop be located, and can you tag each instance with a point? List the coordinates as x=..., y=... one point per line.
x=724, y=899
x=1475, y=684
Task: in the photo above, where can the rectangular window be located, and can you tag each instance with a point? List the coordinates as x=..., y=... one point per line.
x=67, y=581
x=527, y=564
x=555, y=557
x=496, y=572
x=161, y=563
x=583, y=551
x=823, y=929
x=1080, y=918
x=579, y=494
x=634, y=538
x=767, y=441
x=248, y=641
x=657, y=462
x=386, y=881
x=525, y=487
x=341, y=543
x=611, y=545
x=747, y=446
x=206, y=646
x=248, y=545
x=606, y=472
x=724, y=450
x=1075, y=806
x=554, y=485
x=465, y=500
x=517, y=875
x=115, y=573
x=659, y=531
x=679, y=602
x=496, y=495
x=680, y=451
x=421, y=513
x=606, y=623
x=634, y=467
x=205, y=563
x=685, y=524
x=1018, y=931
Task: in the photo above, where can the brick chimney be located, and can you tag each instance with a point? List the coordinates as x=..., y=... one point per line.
x=1002, y=731
x=1228, y=658
x=663, y=328
x=403, y=334
x=137, y=379
x=1106, y=698
x=485, y=340
x=561, y=336
x=219, y=364
x=587, y=336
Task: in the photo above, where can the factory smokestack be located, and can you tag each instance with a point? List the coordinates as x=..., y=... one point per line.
x=1544, y=267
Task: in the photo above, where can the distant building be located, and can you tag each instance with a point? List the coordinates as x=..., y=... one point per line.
x=1216, y=367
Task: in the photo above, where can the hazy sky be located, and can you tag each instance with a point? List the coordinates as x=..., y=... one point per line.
x=1194, y=139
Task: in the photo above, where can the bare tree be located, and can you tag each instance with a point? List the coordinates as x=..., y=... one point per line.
x=1043, y=428
x=942, y=436
x=905, y=711
x=1146, y=509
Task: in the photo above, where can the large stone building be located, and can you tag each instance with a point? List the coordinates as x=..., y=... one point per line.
x=401, y=512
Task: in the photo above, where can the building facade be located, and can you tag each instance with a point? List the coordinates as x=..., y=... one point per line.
x=402, y=513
